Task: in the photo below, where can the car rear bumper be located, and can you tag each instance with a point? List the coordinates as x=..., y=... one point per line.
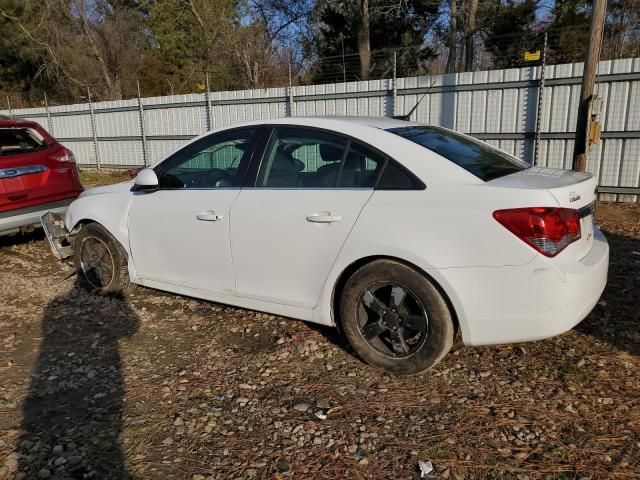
x=13, y=220
x=528, y=302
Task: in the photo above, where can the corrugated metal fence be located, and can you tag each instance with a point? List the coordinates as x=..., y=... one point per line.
x=499, y=106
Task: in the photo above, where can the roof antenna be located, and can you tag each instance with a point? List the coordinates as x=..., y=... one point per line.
x=407, y=116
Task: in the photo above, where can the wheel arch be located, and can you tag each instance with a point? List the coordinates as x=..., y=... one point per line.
x=108, y=210
x=78, y=223
x=81, y=223
x=347, y=272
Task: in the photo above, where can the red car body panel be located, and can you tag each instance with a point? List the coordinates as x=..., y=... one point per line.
x=35, y=177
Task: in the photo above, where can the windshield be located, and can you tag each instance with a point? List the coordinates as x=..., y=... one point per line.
x=18, y=140
x=475, y=156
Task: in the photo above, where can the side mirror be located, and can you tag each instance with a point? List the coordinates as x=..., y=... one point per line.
x=146, y=179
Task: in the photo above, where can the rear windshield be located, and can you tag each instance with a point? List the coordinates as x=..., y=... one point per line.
x=19, y=140
x=475, y=156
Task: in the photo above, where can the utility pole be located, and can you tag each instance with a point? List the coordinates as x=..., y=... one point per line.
x=581, y=146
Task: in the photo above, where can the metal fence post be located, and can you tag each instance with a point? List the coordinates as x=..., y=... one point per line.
x=540, y=102
x=94, y=134
x=290, y=95
x=209, y=118
x=394, y=98
x=9, y=105
x=142, y=132
x=46, y=107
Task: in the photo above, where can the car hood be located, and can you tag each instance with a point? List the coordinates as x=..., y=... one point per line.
x=115, y=188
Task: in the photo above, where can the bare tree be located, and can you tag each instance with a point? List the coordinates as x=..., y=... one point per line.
x=453, y=38
x=258, y=62
x=364, y=41
x=214, y=20
x=95, y=44
x=470, y=31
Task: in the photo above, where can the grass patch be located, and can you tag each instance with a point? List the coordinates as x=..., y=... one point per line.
x=92, y=178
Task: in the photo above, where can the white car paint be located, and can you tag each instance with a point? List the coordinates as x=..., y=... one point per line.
x=264, y=254
x=301, y=252
x=182, y=241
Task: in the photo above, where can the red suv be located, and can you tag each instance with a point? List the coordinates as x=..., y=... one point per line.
x=37, y=175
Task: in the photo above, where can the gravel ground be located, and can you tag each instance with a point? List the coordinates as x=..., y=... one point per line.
x=161, y=386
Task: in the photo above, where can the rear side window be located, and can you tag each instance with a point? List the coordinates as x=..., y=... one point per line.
x=301, y=158
x=396, y=177
x=475, y=156
x=361, y=168
x=18, y=140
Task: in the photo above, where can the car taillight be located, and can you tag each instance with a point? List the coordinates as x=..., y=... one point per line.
x=63, y=155
x=547, y=229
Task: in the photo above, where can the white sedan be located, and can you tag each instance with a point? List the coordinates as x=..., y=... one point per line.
x=396, y=232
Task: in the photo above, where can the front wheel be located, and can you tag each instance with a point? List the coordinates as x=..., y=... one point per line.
x=395, y=318
x=100, y=261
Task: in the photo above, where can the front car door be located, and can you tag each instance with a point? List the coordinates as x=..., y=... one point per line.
x=288, y=227
x=179, y=234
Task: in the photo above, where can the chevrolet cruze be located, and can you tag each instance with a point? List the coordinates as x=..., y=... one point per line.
x=396, y=232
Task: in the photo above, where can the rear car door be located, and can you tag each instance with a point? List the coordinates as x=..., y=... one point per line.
x=179, y=234
x=289, y=225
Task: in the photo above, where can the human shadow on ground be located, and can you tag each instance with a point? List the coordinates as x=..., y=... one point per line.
x=72, y=415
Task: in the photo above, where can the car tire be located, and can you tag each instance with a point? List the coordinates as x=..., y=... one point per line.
x=100, y=261
x=395, y=318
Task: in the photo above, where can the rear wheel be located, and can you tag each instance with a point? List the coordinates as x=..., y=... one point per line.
x=100, y=261
x=395, y=318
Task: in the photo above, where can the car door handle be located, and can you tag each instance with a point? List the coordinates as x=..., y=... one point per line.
x=323, y=218
x=209, y=216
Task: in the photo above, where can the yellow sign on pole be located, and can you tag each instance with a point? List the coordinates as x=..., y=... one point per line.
x=532, y=56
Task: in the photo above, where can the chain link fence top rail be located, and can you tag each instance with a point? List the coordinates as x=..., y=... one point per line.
x=498, y=106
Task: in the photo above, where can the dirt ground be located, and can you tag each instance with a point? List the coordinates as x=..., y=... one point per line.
x=161, y=386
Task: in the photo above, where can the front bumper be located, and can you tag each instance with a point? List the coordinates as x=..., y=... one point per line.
x=57, y=234
x=528, y=302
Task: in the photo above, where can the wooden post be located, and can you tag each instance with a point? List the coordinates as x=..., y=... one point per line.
x=581, y=146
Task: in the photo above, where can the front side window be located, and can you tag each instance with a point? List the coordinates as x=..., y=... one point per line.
x=213, y=162
x=475, y=156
